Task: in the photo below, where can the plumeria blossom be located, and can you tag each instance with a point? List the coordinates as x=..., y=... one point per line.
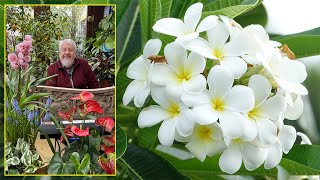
x=239, y=149
x=188, y=29
x=174, y=115
x=285, y=139
x=288, y=74
x=141, y=70
x=217, y=48
x=223, y=102
x=294, y=107
x=232, y=26
x=182, y=74
x=266, y=110
x=206, y=140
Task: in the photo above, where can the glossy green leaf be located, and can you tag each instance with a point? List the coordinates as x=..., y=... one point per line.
x=258, y=15
x=57, y=166
x=84, y=166
x=231, y=8
x=128, y=35
x=302, y=44
x=121, y=142
x=179, y=7
x=143, y=164
x=148, y=137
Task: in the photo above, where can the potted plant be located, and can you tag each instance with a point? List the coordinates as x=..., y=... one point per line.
x=91, y=151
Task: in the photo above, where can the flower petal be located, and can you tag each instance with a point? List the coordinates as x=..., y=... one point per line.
x=272, y=107
x=295, y=111
x=251, y=129
x=163, y=74
x=304, y=138
x=195, y=84
x=236, y=65
x=171, y=26
x=261, y=88
x=192, y=16
x=240, y=98
x=137, y=69
x=183, y=40
x=184, y=123
x=176, y=56
x=200, y=46
x=218, y=35
x=160, y=96
x=132, y=89
x=174, y=91
x=166, y=132
x=141, y=96
x=198, y=149
x=195, y=64
x=267, y=131
x=287, y=137
x=205, y=114
x=231, y=159
x=292, y=71
x=238, y=46
x=152, y=47
x=220, y=81
x=151, y=116
x=232, y=124
x=274, y=156
x=207, y=23
x=253, y=156
x=80, y=132
x=215, y=147
x=192, y=100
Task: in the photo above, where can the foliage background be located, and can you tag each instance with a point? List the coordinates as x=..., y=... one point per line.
x=134, y=19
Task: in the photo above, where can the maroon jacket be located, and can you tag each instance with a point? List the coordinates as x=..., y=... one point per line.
x=82, y=76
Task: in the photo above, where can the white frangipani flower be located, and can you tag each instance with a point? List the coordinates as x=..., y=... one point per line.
x=295, y=109
x=240, y=150
x=141, y=71
x=305, y=139
x=217, y=48
x=223, y=102
x=182, y=74
x=206, y=140
x=188, y=29
x=287, y=73
x=232, y=26
x=285, y=140
x=174, y=115
x=260, y=118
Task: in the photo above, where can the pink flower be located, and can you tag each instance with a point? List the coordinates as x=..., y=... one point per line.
x=27, y=44
x=28, y=38
x=26, y=59
x=12, y=57
x=15, y=65
x=20, y=48
x=24, y=66
x=20, y=55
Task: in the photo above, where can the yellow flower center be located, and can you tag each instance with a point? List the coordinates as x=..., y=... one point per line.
x=218, y=53
x=218, y=105
x=237, y=141
x=174, y=109
x=253, y=113
x=184, y=76
x=204, y=132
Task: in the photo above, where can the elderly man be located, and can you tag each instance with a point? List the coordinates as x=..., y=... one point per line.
x=72, y=72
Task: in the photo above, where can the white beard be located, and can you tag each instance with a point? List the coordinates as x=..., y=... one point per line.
x=66, y=62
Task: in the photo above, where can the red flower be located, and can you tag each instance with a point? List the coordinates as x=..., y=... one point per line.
x=107, y=122
x=83, y=96
x=108, y=140
x=107, y=149
x=68, y=132
x=80, y=132
x=107, y=164
x=90, y=106
x=67, y=115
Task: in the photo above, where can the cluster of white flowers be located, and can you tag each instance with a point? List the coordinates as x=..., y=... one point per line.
x=226, y=90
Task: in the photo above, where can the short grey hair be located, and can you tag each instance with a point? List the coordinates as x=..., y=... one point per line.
x=68, y=41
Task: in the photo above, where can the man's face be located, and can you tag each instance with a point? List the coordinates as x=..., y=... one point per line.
x=67, y=54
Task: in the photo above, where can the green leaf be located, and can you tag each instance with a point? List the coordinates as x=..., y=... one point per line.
x=33, y=97
x=30, y=169
x=258, y=15
x=56, y=166
x=147, y=137
x=121, y=142
x=179, y=7
x=144, y=164
x=75, y=159
x=231, y=8
x=13, y=161
x=85, y=165
x=302, y=44
x=304, y=155
x=129, y=35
